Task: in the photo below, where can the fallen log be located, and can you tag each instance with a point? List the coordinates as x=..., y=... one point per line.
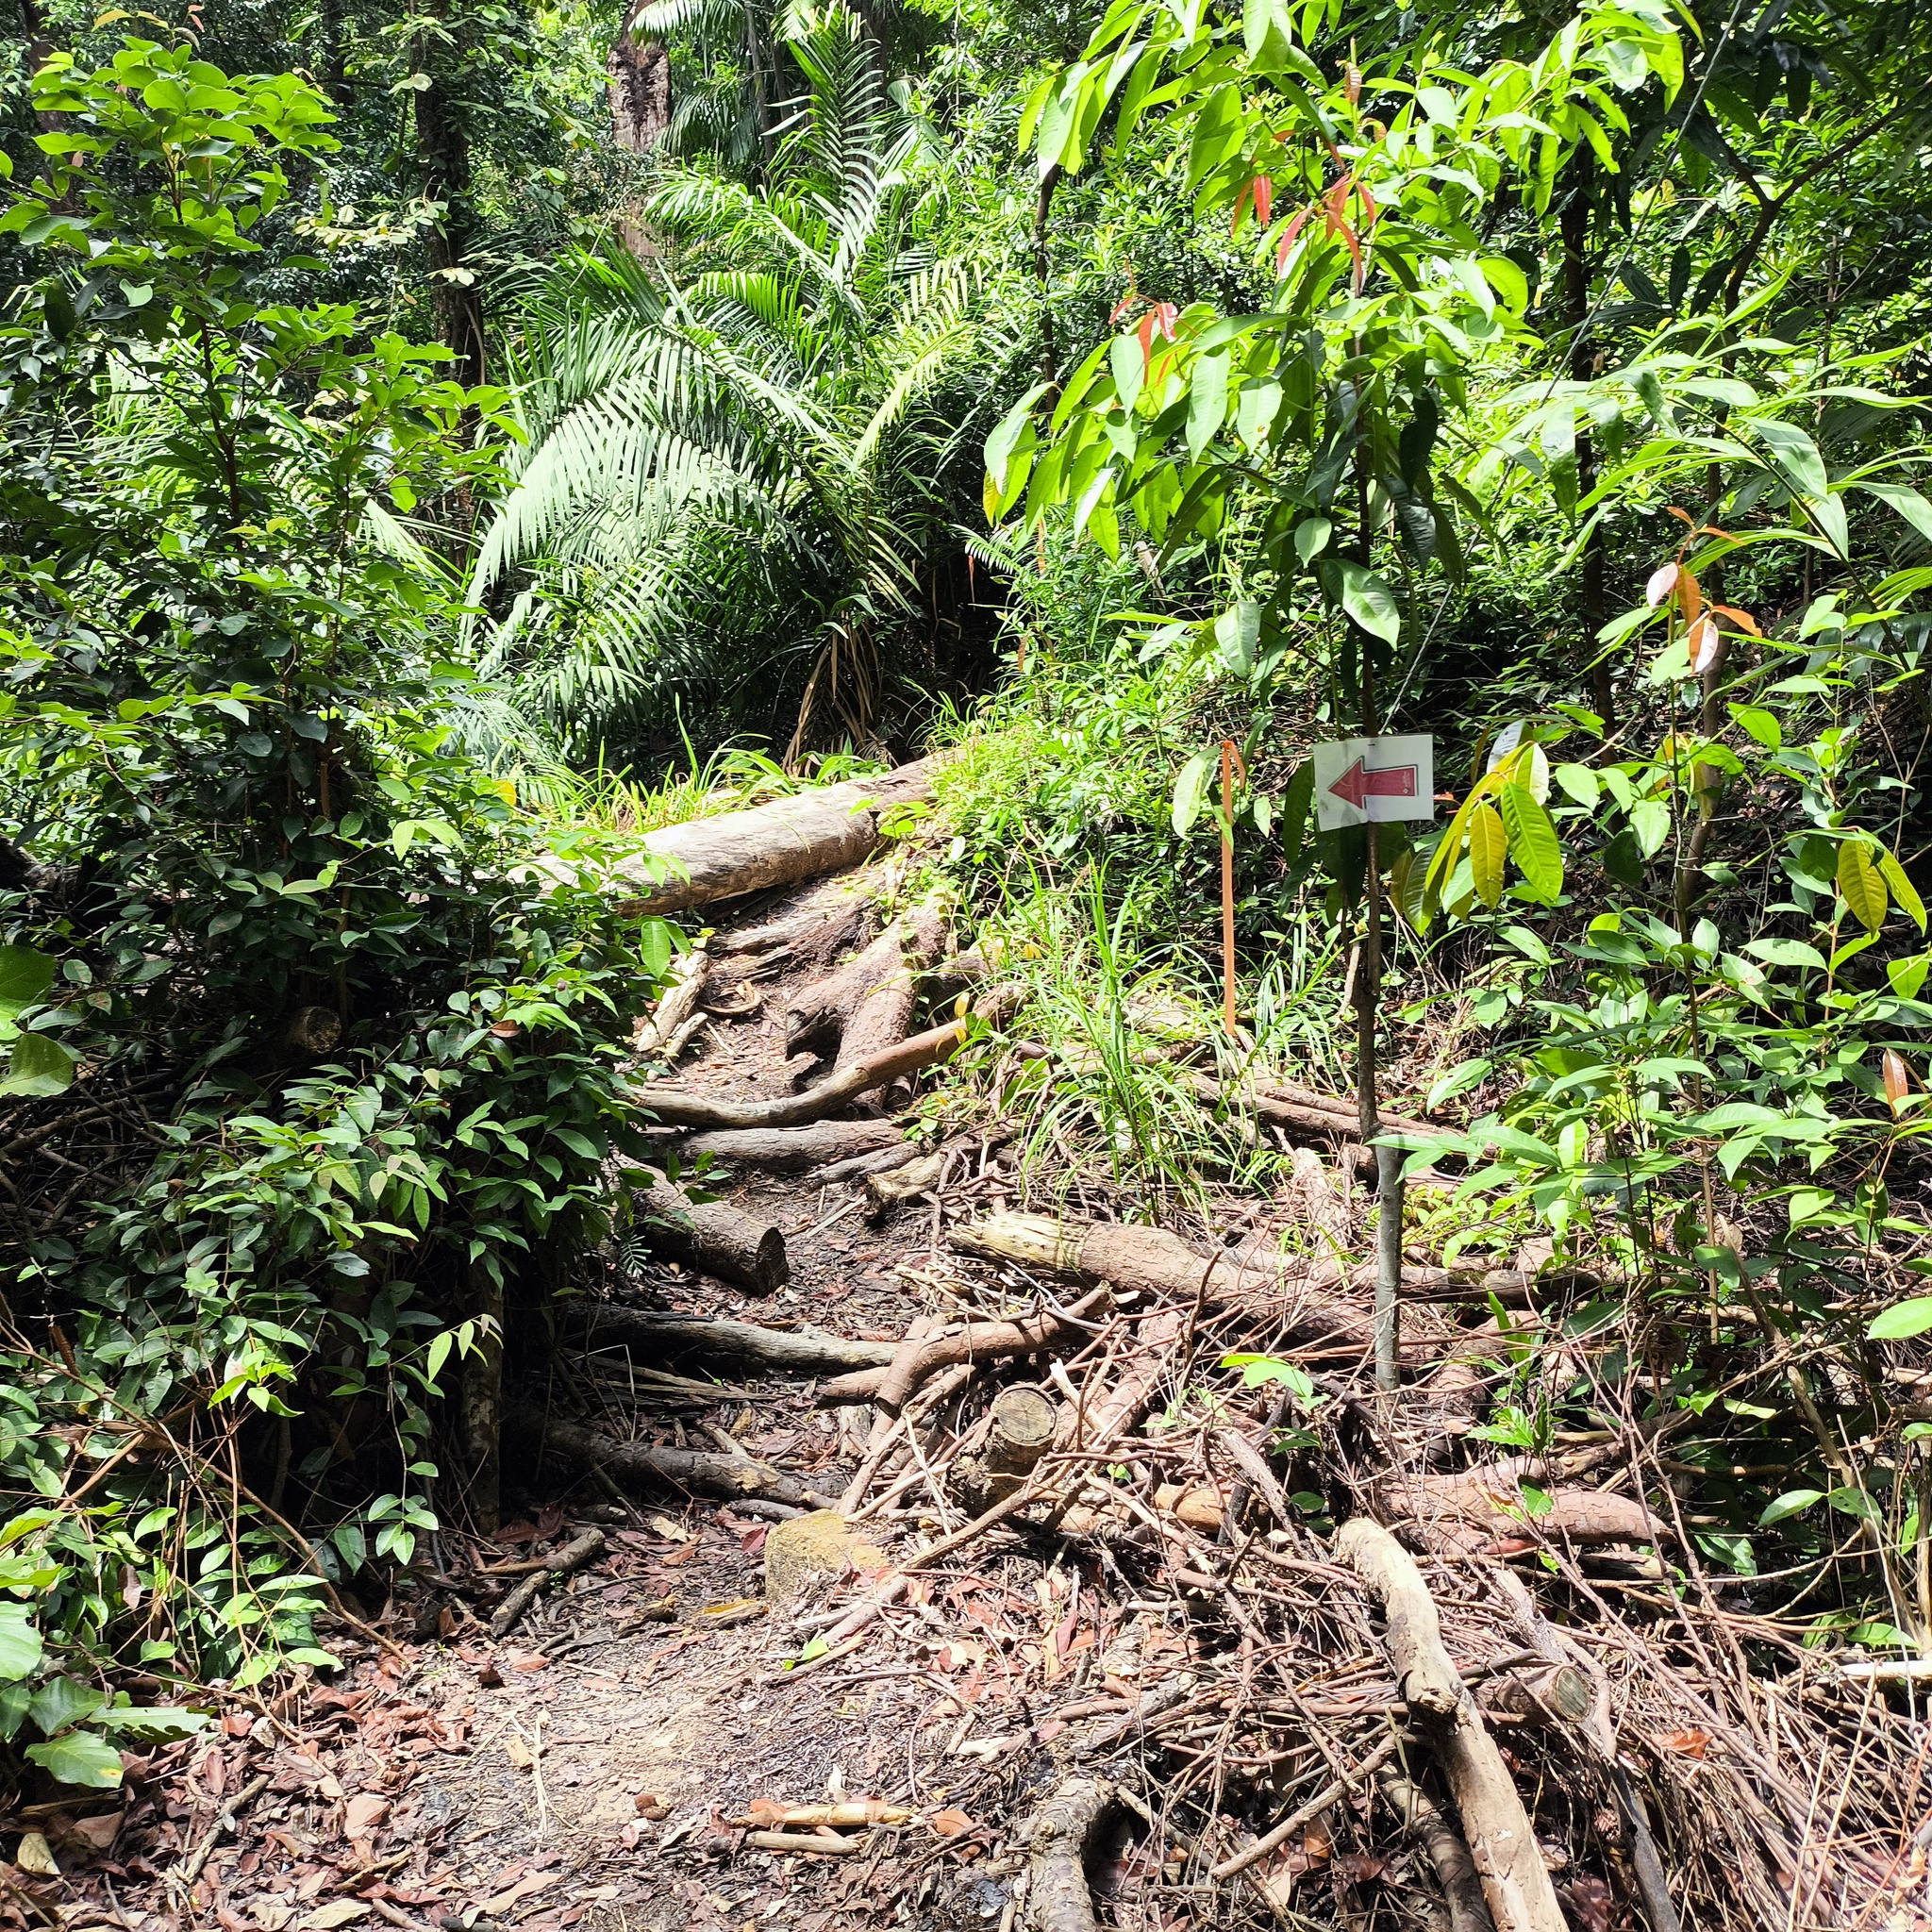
x=737, y=852
x=713, y=1237
x=790, y=1150
x=881, y=1015
x=676, y=1108
x=1150, y=1260
x=790, y=1351
x=1515, y=1879
x=1055, y=1839
x=867, y=1003
x=974, y=1341
x=563, y=1562
x=1477, y=1508
x=701, y=1471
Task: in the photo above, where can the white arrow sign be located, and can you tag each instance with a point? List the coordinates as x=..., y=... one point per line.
x=1360, y=780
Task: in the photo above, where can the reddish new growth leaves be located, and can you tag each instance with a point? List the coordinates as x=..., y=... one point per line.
x=1160, y=316
x=1258, y=194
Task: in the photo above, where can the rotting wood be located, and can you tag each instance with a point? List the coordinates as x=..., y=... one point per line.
x=581, y=1550
x=891, y=1187
x=654, y=1035
x=881, y=1016
x=703, y=1472
x=815, y=1015
x=740, y=852
x=790, y=1351
x=1055, y=1837
x=1477, y=1507
x=1153, y=1261
x=790, y=1150
x=974, y=1341
x=713, y=1237
x=676, y=1108
x=1495, y=1824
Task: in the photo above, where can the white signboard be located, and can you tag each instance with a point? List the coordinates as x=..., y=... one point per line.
x=1358, y=780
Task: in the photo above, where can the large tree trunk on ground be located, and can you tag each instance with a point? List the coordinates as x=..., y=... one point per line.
x=710, y=1235
x=798, y=837
x=791, y=1352
x=792, y=1150
x=1315, y=1308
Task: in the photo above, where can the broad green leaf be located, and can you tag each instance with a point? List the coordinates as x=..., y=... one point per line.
x=1129, y=369
x=1533, y=841
x=1487, y=843
x=1190, y=789
x=1206, y=400
x=1903, y=888
x=1907, y=502
x=1005, y=436
x=38, y=1066
x=1903, y=1320
x=80, y=1757
x=1650, y=825
x=1789, y=1505
x=1237, y=631
x=1295, y=802
x=1579, y=783
x=1907, y=976
x=1861, y=884
x=1311, y=536
x=63, y=1701
x=1407, y=872
x=20, y=1644
x=1369, y=601
x=1794, y=456
x=1787, y=953
x=25, y=979
x=1216, y=133
x=1762, y=725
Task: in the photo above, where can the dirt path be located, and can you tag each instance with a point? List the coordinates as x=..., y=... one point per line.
x=576, y=1773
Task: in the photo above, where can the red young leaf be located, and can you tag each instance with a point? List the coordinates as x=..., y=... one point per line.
x=1287, y=239
x=1264, y=200
x=1688, y=1743
x=1740, y=620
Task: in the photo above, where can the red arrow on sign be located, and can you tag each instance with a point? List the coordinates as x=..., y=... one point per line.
x=1359, y=783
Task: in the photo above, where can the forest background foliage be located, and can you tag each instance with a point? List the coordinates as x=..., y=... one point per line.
x=411, y=489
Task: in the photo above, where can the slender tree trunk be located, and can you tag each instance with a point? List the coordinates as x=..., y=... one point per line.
x=1049, y=355
x=442, y=149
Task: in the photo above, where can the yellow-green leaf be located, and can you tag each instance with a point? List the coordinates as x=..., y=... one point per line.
x=1859, y=883
x=1533, y=840
x=1894, y=873
x=1487, y=843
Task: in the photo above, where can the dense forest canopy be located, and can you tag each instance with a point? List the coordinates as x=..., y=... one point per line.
x=439, y=448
